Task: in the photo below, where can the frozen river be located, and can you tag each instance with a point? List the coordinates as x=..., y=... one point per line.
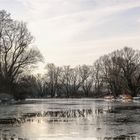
x=70, y=119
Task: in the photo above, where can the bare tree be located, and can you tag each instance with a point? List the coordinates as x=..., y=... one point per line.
x=16, y=53
x=128, y=61
x=119, y=71
x=86, y=74
x=52, y=79
x=66, y=80
x=72, y=80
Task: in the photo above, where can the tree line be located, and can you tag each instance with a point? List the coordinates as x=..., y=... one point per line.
x=115, y=73
x=17, y=54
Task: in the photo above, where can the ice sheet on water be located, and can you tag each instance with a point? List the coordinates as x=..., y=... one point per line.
x=71, y=119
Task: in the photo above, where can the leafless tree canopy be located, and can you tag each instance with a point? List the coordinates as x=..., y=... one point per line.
x=120, y=71
x=115, y=73
x=16, y=52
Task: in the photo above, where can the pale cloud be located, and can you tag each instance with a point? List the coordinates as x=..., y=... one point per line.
x=73, y=22
x=138, y=20
x=55, y=9
x=87, y=52
x=79, y=31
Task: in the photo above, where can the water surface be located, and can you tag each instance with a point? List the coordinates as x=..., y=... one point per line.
x=70, y=119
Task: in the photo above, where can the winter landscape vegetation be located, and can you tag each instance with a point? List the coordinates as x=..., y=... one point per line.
x=72, y=96
x=114, y=74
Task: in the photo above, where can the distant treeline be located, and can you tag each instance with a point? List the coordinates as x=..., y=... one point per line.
x=115, y=73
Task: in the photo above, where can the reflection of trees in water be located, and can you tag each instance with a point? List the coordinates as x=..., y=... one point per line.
x=89, y=117
x=60, y=115
x=6, y=136
x=121, y=137
x=95, y=114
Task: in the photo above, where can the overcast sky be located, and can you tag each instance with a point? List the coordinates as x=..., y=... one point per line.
x=72, y=32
